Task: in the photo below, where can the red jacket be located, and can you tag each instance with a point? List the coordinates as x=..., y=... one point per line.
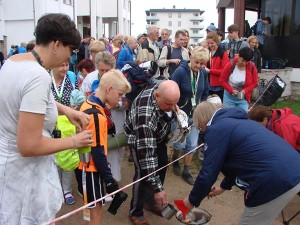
x=216, y=65
x=250, y=81
x=287, y=125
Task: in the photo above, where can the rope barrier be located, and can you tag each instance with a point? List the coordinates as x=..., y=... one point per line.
x=115, y=192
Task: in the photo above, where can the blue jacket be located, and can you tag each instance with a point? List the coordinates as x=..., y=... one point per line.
x=263, y=164
x=182, y=76
x=125, y=55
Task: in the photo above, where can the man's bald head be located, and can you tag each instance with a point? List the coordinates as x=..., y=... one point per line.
x=167, y=95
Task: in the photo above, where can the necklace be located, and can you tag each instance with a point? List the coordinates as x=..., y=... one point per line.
x=37, y=57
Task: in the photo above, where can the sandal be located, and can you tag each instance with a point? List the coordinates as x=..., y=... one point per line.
x=69, y=198
x=140, y=220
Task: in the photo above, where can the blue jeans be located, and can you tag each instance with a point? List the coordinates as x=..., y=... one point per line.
x=191, y=140
x=230, y=101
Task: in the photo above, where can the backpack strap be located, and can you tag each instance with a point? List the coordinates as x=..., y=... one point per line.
x=169, y=51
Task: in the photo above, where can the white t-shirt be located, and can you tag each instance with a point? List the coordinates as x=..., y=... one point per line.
x=237, y=78
x=30, y=191
x=88, y=80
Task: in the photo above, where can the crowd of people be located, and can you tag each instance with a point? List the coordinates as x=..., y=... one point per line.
x=62, y=73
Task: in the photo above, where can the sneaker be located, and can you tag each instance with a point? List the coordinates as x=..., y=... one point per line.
x=188, y=178
x=108, y=199
x=176, y=169
x=69, y=198
x=201, y=154
x=138, y=220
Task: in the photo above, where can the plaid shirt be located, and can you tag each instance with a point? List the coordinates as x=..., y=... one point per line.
x=145, y=126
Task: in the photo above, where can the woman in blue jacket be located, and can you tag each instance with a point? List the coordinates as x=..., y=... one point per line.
x=126, y=54
x=192, y=80
x=251, y=157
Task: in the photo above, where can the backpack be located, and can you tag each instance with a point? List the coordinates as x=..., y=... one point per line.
x=68, y=159
x=139, y=77
x=287, y=125
x=247, y=29
x=252, y=30
x=161, y=69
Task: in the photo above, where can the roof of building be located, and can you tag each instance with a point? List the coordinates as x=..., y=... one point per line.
x=175, y=10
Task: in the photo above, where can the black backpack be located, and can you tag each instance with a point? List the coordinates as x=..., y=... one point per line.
x=252, y=30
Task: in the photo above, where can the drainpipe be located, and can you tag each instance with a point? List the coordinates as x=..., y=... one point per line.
x=130, y=18
x=117, y=27
x=33, y=3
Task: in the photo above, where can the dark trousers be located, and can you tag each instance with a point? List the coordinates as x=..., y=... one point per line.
x=142, y=192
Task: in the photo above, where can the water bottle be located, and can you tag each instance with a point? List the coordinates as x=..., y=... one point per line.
x=267, y=65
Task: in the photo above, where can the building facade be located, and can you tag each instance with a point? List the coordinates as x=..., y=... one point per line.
x=97, y=18
x=176, y=19
x=102, y=18
x=18, y=18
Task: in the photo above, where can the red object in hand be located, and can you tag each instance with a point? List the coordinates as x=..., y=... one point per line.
x=180, y=205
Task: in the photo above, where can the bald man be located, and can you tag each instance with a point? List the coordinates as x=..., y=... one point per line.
x=146, y=129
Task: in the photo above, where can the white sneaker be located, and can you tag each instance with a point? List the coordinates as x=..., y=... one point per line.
x=108, y=199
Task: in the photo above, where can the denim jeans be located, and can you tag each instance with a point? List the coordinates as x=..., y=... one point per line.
x=191, y=140
x=230, y=101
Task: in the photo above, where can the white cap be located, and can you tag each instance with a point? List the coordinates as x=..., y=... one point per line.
x=215, y=100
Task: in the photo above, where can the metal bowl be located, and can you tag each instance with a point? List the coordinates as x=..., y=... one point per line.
x=196, y=216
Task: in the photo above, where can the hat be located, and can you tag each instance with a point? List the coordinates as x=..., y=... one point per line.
x=211, y=27
x=141, y=35
x=77, y=97
x=214, y=99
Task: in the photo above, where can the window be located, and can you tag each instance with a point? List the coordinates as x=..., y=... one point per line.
x=195, y=31
x=284, y=15
x=179, y=23
x=152, y=14
x=195, y=40
x=170, y=23
x=179, y=15
x=68, y=2
x=195, y=23
x=153, y=23
x=170, y=15
x=196, y=14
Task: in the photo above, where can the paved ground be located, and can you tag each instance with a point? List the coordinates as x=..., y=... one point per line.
x=225, y=209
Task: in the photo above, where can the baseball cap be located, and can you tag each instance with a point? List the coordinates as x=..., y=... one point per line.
x=140, y=35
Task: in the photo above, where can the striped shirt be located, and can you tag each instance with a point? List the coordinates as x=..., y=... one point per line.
x=145, y=126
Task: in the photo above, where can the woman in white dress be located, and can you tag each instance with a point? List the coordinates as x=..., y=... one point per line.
x=30, y=191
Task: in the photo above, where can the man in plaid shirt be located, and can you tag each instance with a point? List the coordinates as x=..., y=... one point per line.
x=146, y=129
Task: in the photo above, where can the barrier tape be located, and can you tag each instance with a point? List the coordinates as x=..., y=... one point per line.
x=115, y=192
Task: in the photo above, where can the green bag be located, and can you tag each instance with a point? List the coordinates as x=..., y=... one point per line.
x=68, y=159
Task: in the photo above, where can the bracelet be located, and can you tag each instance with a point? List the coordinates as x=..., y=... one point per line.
x=74, y=142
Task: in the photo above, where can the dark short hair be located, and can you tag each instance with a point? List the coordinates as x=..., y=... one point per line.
x=258, y=113
x=268, y=19
x=232, y=28
x=30, y=46
x=180, y=32
x=86, y=64
x=246, y=53
x=57, y=27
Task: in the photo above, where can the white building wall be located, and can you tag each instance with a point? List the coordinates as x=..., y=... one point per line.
x=186, y=23
x=20, y=17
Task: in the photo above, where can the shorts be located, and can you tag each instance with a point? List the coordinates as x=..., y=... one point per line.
x=94, y=188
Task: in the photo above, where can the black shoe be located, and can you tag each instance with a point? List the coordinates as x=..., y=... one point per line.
x=188, y=178
x=176, y=169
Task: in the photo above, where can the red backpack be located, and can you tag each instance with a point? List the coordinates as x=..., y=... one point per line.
x=287, y=125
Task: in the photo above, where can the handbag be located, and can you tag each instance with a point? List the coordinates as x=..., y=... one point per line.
x=68, y=159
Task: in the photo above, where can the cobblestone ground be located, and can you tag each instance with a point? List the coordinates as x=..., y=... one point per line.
x=225, y=209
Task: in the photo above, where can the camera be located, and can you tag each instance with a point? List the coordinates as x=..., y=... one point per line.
x=56, y=133
x=118, y=200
